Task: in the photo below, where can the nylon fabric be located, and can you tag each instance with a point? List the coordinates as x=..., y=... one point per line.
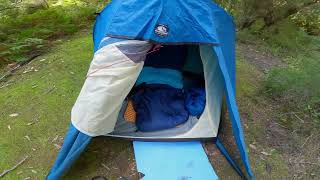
x=138, y=19
x=74, y=144
x=97, y=108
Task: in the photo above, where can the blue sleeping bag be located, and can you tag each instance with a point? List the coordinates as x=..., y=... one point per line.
x=158, y=107
x=195, y=100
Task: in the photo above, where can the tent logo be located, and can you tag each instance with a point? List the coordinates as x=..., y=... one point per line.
x=161, y=30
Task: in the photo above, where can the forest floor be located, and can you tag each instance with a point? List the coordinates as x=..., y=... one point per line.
x=35, y=114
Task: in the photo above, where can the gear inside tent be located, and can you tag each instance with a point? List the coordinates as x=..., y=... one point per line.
x=135, y=40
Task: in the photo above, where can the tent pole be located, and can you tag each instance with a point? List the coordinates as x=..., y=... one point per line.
x=226, y=154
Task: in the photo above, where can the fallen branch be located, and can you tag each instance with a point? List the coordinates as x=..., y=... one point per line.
x=14, y=167
x=20, y=64
x=9, y=72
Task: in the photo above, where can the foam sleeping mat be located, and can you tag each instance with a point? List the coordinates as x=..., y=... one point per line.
x=173, y=161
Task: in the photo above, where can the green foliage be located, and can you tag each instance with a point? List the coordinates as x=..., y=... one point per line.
x=25, y=32
x=308, y=19
x=285, y=37
x=17, y=49
x=297, y=85
x=248, y=12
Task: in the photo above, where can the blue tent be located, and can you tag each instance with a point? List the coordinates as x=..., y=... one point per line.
x=167, y=22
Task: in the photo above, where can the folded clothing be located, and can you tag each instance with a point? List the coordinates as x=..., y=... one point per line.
x=159, y=107
x=195, y=100
x=151, y=75
x=130, y=114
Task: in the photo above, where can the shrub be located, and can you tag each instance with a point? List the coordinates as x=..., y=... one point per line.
x=308, y=19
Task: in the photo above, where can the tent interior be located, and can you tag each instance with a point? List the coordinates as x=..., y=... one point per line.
x=200, y=70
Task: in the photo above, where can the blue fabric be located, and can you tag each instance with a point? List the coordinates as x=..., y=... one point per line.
x=195, y=100
x=137, y=19
x=233, y=111
x=150, y=75
x=74, y=144
x=171, y=57
x=159, y=107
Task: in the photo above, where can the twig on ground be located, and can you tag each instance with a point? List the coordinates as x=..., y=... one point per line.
x=50, y=90
x=105, y=166
x=14, y=167
x=298, y=117
x=306, y=141
x=6, y=85
x=305, y=162
x=280, y=125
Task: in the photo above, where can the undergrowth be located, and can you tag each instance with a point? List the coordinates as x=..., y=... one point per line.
x=296, y=86
x=25, y=34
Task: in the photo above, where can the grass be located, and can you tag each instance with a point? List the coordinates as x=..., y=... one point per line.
x=43, y=98
x=255, y=111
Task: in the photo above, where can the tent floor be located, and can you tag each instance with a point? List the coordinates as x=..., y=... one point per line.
x=128, y=130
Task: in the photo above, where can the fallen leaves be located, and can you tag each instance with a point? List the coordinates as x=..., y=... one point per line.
x=27, y=137
x=14, y=115
x=32, y=69
x=265, y=153
x=55, y=139
x=30, y=123
x=253, y=146
x=34, y=171
x=57, y=146
x=34, y=86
